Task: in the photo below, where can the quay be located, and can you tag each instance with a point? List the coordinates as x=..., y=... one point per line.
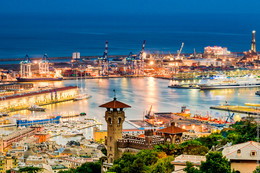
x=16, y=102
x=238, y=109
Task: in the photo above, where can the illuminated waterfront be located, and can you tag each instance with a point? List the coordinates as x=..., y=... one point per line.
x=141, y=93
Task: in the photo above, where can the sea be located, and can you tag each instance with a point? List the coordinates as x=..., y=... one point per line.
x=61, y=35
x=140, y=94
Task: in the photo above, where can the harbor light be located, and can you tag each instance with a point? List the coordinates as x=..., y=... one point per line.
x=237, y=118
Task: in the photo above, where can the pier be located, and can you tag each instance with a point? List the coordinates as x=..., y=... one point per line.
x=17, y=102
x=238, y=109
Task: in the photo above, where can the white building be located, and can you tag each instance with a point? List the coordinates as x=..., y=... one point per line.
x=216, y=50
x=243, y=157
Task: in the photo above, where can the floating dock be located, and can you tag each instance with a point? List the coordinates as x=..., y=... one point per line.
x=238, y=109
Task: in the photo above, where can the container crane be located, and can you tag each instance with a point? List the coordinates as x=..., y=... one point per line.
x=140, y=59
x=130, y=64
x=179, y=51
x=104, y=62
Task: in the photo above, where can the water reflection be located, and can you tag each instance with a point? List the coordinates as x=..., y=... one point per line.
x=140, y=93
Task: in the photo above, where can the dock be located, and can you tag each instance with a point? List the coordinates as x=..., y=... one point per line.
x=238, y=109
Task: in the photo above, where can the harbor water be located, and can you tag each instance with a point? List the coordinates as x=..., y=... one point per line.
x=140, y=94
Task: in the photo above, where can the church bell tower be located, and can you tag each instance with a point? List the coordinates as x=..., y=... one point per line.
x=114, y=116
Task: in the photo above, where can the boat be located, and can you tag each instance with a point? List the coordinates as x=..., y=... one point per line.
x=82, y=114
x=36, y=108
x=243, y=82
x=184, y=112
x=29, y=122
x=42, y=79
x=4, y=114
x=72, y=133
x=81, y=97
x=257, y=92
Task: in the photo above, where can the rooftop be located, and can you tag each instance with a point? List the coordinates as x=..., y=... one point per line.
x=114, y=104
x=172, y=130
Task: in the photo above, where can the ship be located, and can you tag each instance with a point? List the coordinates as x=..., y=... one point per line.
x=72, y=133
x=81, y=97
x=36, y=108
x=244, y=82
x=25, y=122
x=184, y=112
x=42, y=79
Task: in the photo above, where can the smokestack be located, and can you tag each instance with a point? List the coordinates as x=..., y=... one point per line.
x=253, y=46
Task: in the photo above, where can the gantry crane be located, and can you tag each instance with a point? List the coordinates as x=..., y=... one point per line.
x=104, y=62
x=130, y=64
x=140, y=61
x=179, y=51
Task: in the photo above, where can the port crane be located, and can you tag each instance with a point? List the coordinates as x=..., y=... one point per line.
x=140, y=61
x=25, y=67
x=104, y=62
x=44, y=65
x=179, y=51
x=130, y=64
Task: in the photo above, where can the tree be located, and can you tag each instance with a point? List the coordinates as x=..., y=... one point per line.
x=215, y=163
x=30, y=169
x=169, y=149
x=89, y=167
x=163, y=165
x=104, y=151
x=257, y=170
x=190, y=168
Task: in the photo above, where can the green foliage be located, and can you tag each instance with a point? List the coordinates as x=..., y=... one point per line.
x=124, y=163
x=169, y=149
x=257, y=170
x=89, y=167
x=163, y=165
x=144, y=161
x=190, y=168
x=215, y=163
x=212, y=139
x=30, y=169
x=104, y=151
x=149, y=157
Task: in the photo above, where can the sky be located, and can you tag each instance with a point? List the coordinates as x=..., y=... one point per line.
x=127, y=7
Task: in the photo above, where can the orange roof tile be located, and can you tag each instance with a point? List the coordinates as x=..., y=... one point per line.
x=115, y=104
x=172, y=130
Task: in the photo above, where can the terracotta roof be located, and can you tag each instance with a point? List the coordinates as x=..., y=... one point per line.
x=115, y=104
x=172, y=130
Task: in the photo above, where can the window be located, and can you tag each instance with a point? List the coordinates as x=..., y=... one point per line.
x=110, y=120
x=110, y=138
x=119, y=121
x=238, y=151
x=110, y=148
x=253, y=153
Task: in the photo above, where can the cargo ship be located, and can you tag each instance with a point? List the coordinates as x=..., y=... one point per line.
x=245, y=82
x=20, y=79
x=25, y=122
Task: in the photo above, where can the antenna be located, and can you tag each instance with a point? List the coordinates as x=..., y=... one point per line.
x=114, y=94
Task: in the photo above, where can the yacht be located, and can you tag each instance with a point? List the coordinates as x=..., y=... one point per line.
x=36, y=108
x=72, y=133
x=81, y=96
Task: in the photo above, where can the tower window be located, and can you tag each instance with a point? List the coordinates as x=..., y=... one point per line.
x=110, y=121
x=119, y=120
